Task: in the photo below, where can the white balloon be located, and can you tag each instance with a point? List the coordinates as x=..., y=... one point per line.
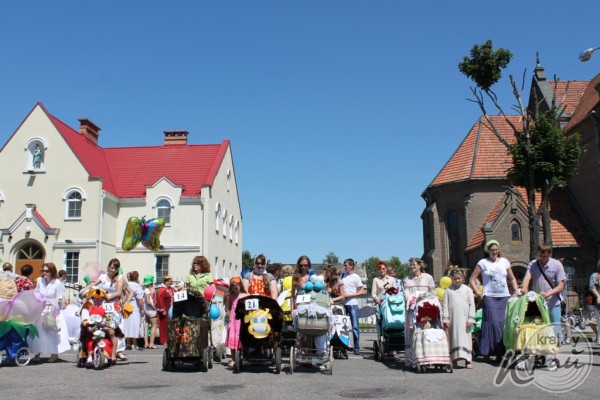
x=313, y=278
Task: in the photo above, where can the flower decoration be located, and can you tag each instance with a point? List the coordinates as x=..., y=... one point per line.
x=517, y=319
x=531, y=296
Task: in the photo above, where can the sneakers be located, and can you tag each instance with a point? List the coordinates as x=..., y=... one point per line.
x=357, y=352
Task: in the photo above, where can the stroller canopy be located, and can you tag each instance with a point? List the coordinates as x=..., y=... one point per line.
x=529, y=308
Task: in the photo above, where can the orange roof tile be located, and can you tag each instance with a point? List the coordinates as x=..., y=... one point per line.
x=588, y=101
x=126, y=172
x=568, y=94
x=481, y=155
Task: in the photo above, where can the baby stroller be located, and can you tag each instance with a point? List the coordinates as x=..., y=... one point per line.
x=528, y=332
x=288, y=333
x=17, y=317
x=339, y=336
x=390, y=324
x=476, y=331
x=429, y=343
x=313, y=320
x=188, y=336
x=260, y=328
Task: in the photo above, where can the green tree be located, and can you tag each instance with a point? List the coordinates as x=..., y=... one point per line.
x=331, y=258
x=532, y=158
x=247, y=259
x=370, y=266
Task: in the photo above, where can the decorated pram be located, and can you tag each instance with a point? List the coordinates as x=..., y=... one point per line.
x=339, y=336
x=188, y=335
x=390, y=324
x=429, y=342
x=313, y=321
x=529, y=333
x=18, y=314
x=261, y=321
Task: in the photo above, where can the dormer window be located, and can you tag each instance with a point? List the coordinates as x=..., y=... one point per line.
x=163, y=209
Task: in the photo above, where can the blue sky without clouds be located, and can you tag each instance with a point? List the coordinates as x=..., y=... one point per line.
x=340, y=113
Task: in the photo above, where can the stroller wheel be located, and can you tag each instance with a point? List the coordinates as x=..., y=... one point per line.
x=278, y=360
x=22, y=357
x=345, y=353
x=99, y=359
x=166, y=363
x=449, y=368
x=292, y=356
x=211, y=357
x=205, y=358
x=238, y=361
x=376, y=350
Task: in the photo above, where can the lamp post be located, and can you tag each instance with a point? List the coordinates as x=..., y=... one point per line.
x=587, y=54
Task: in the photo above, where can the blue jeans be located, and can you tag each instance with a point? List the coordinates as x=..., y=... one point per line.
x=352, y=311
x=554, y=314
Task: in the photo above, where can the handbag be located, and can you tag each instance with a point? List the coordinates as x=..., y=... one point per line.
x=127, y=310
x=51, y=323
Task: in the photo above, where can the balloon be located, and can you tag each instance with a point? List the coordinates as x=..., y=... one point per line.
x=313, y=278
x=92, y=271
x=440, y=292
x=308, y=287
x=147, y=232
x=320, y=278
x=151, y=231
x=311, y=271
x=24, y=308
x=319, y=286
x=445, y=282
x=214, y=312
x=170, y=312
x=133, y=234
x=209, y=292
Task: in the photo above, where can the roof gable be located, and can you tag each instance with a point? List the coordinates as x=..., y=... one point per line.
x=587, y=102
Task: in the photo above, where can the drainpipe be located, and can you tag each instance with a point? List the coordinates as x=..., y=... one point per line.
x=101, y=226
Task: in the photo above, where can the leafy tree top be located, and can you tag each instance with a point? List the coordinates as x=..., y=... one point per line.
x=485, y=65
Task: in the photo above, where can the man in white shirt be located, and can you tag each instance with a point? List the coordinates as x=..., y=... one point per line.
x=352, y=288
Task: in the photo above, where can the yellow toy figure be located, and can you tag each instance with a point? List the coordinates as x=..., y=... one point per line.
x=259, y=323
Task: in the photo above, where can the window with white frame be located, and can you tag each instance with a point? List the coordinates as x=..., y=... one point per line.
x=74, y=204
x=72, y=265
x=225, y=224
x=230, y=228
x=228, y=179
x=217, y=217
x=237, y=230
x=161, y=268
x=163, y=210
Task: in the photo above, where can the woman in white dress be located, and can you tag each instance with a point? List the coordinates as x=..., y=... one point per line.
x=49, y=341
x=421, y=282
x=135, y=297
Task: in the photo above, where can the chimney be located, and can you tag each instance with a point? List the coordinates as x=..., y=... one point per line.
x=175, y=138
x=89, y=130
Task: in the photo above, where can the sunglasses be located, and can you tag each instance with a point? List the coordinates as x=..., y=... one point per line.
x=260, y=263
x=45, y=270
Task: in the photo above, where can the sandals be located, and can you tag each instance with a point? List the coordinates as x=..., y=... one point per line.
x=469, y=366
x=150, y=347
x=121, y=357
x=231, y=365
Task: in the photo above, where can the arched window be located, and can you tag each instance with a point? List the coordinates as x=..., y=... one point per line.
x=453, y=232
x=515, y=230
x=217, y=217
x=237, y=230
x=225, y=224
x=163, y=209
x=74, y=198
x=231, y=227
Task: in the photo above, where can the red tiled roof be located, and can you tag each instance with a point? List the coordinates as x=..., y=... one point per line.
x=127, y=171
x=41, y=219
x=568, y=94
x=481, y=155
x=566, y=224
x=588, y=101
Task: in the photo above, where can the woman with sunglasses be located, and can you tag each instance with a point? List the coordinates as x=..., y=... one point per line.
x=259, y=281
x=199, y=277
x=49, y=341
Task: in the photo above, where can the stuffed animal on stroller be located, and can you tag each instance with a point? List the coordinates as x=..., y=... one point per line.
x=96, y=336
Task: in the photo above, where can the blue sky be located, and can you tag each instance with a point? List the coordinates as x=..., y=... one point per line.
x=340, y=113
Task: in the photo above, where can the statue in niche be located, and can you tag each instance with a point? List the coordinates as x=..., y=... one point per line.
x=37, y=157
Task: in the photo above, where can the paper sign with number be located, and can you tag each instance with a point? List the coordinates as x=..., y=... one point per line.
x=304, y=298
x=180, y=295
x=109, y=307
x=251, y=304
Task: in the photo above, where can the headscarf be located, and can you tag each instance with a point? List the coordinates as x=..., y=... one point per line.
x=489, y=243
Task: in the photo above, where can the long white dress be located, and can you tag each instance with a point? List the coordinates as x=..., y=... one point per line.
x=412, y=288
x=131, y=325
x=48, y=341
x=110, y=287
x=458, y=309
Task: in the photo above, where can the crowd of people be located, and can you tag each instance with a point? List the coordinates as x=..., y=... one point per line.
x=141, y=310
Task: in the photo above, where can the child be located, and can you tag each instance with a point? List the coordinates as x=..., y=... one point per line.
x=236, y=292
x=458, y=316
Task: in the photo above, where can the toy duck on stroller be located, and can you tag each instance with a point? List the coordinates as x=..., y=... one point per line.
x=429, y=342
x=528, y=332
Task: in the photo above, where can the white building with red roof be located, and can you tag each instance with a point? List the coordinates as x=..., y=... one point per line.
x=64, y=199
